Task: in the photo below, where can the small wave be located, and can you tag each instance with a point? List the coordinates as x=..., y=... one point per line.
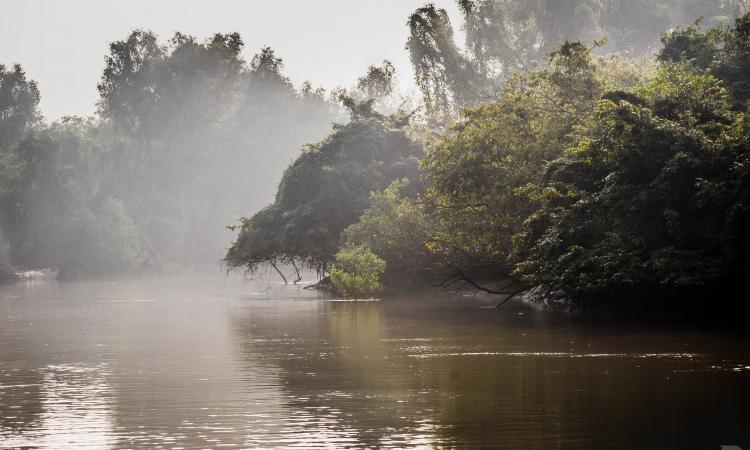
x=125, y=300
x=560, y=355
x=343, y=300
x=732, y=368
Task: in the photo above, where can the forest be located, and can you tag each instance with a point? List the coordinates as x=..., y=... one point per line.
x=592, y=154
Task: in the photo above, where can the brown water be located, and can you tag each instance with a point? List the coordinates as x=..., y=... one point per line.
x=212, y=363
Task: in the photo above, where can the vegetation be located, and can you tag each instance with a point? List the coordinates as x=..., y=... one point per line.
x=324, y=191
x=397, y=228
x=601, y=179
x=191, y=122
x=606, y=183
x=723, y=51
x=173, y=156
x=650, y=199
x=6, y=270
x=568, y=149
x=505, y=37
x=355, y=273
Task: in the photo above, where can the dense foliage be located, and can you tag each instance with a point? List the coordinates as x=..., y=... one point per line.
x=723, y=50
x=475, y=170
x=475, y=175
x=651, y=200
x=397, y=227
x=602, y=181
x=355, y=273
x=189, y=137
x=324, y=191
x=201, y=136
x=504, y=37
x=600, y=171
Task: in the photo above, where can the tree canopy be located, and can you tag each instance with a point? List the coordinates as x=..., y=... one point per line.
x=325, y=190
x=504, y=37
x=604, y=181
x=600, y=171
x=189, y=136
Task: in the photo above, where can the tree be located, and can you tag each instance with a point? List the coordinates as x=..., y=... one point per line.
x=200, y=136
x=19, y=101
x=475, y=173
x=449, y=79
x=507, y=37
x=6, y=269
x=355, y=273
x=378, y=81
x=56, y=213
x=324, y=191
x=647, y=202
x=398, y=227
x=723, y=51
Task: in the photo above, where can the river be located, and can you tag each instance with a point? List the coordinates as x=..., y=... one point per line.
x=211, y=362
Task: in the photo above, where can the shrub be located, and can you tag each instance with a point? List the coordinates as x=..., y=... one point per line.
x=356, y=273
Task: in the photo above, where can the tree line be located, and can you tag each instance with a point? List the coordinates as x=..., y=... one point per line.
x=595, y=151
x=600, y=179
x=188, y=136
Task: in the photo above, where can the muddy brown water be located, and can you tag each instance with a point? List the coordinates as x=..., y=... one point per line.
x=210, y=362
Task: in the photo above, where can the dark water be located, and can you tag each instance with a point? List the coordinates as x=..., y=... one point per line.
x=211, y=363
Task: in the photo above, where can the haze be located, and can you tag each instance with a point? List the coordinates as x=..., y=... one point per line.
x=340, y=224
x=330, y=42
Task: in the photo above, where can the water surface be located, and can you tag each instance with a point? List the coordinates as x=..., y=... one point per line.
x=217, y=363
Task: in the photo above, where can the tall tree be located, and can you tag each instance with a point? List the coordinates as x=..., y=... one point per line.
x=201, y=135
x=325, y=190
x=504, y=37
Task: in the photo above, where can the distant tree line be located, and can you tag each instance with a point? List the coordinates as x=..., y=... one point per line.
x=602, y=172
x=504, y=37
x=188, y=137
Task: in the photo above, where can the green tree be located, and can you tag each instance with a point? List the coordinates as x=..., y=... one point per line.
x=475, y=172
x=325, y=190
x=19, y=101
x=355, y=273
x=6, y=269
x=648, y=201
x=398, y=227
x=201, y=136
x=506, y=37
x=722, y=50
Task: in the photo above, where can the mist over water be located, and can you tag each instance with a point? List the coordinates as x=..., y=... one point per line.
x=191, y=133
x=209, y=362
x=317, y=244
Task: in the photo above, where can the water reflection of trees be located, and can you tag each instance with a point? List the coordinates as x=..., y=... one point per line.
x=373, y=377
x=334, y=368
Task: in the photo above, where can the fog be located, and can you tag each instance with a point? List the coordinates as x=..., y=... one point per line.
x=385, y=223
x=135, y=135
x=62, y=44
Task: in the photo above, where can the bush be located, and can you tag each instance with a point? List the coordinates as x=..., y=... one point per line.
x=356, y=273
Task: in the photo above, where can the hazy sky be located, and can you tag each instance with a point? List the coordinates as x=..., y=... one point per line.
x=62, y=43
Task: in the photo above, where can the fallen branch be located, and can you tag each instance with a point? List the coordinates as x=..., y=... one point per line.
x=477, y=286
x=299, y=277
x=510, y=296
x=273, y=264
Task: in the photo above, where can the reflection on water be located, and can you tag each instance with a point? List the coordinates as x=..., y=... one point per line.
x=73, y=409
x=222, y=364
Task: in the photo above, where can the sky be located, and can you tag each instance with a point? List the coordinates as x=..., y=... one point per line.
x=62, y=44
